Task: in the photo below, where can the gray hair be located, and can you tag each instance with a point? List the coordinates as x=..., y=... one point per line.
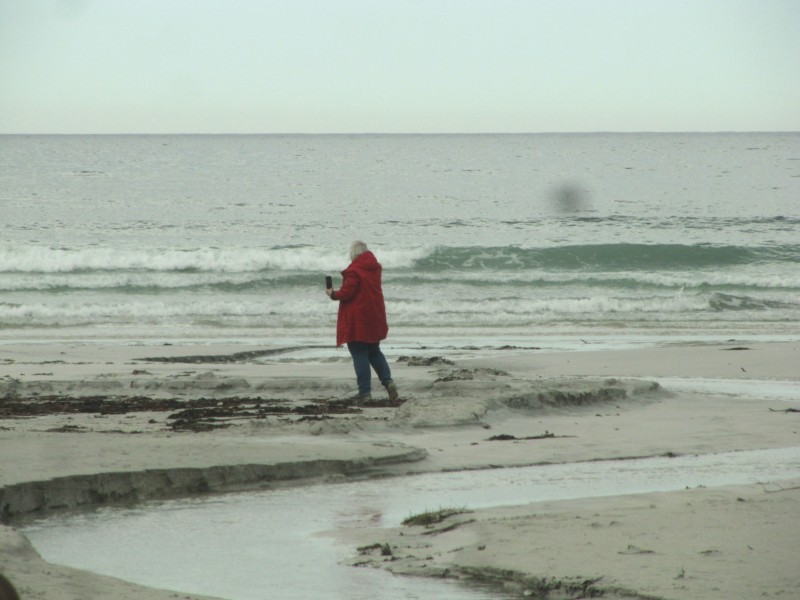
x=357, y=248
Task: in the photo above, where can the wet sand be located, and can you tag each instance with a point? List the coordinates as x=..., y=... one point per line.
x=82, y=424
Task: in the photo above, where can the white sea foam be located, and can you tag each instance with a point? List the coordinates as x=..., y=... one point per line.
x=40, y=259
x=300, y=310
x=741, y=277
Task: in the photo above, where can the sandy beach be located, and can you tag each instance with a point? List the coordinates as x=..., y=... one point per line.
x=83, y=424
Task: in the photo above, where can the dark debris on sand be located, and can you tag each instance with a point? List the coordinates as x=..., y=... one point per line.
x=197, y=415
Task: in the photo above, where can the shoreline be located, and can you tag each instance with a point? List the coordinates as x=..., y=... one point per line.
x=272, y=420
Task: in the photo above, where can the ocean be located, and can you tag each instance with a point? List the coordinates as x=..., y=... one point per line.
x=517, y=238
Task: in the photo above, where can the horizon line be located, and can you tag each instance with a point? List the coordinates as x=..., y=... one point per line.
x=410, y=133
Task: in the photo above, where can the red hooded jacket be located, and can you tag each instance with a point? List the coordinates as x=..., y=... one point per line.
x=362, y=312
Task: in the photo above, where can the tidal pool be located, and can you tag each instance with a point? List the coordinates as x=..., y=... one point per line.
x=268, y=544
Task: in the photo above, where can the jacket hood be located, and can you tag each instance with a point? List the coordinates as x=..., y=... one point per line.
x=365, y=262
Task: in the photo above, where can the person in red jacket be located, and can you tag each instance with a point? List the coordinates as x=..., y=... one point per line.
x=362, y=320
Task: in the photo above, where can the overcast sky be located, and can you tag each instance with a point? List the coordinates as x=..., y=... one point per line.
x=269, y=66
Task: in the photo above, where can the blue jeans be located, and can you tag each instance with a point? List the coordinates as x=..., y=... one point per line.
x=366, y=355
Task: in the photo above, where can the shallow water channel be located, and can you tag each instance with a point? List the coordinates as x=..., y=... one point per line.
x=267, y=544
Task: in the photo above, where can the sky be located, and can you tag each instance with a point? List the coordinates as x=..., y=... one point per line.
x=398, y=66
